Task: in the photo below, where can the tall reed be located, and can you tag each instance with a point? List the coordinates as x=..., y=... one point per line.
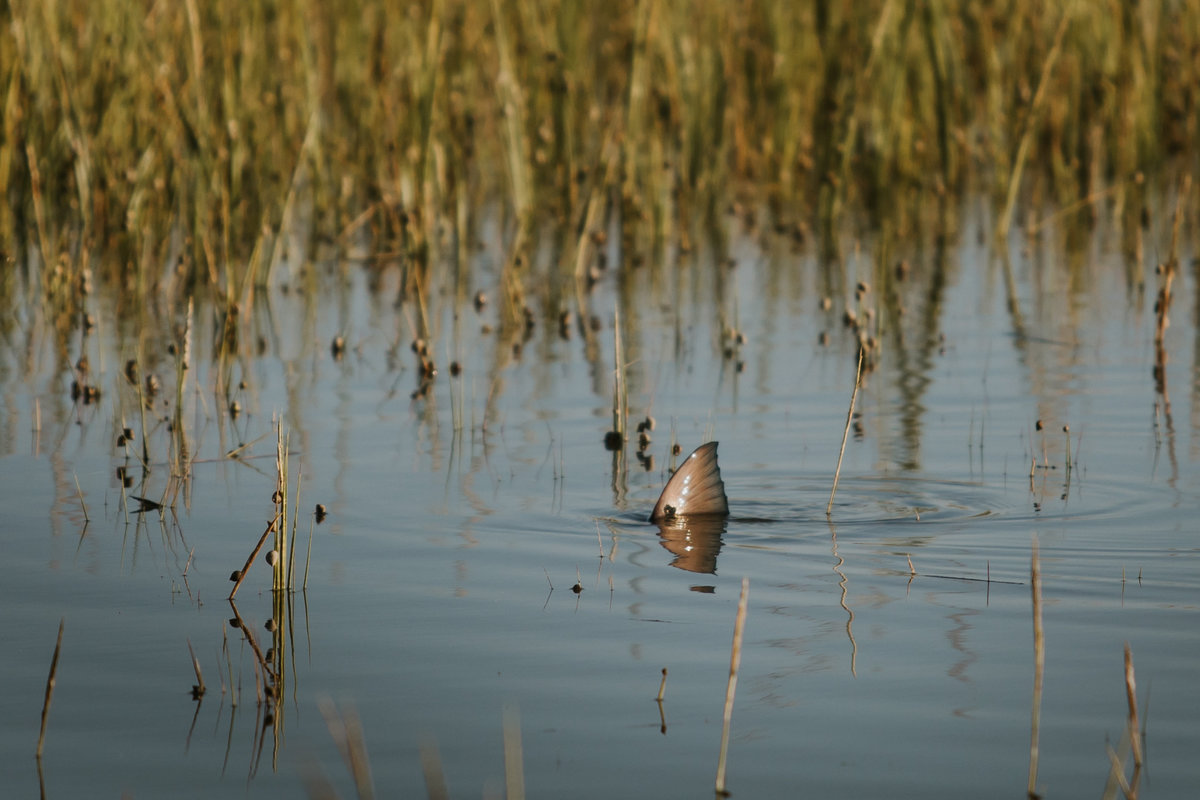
x=212, y=136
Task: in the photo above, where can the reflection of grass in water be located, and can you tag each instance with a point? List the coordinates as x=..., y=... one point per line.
x=345, y=728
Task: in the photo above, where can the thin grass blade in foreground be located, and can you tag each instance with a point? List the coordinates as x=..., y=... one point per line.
x=1135, y=738
x=735, y=661
x=1039, y=667
x=431, y=766
x=514, y=760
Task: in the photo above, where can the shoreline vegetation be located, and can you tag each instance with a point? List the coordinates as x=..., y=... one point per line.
x=199, y=139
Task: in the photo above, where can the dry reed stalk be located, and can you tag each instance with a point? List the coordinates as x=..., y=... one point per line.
x=935, y=33
x=82, y=504
x=511, y=99
x=431, y=766
x=1116, y=777
x=282, y=555
x=662, y=687
x=199, y=689
x=345, y=728
x=620, y=399
x=735, y=661
x=863, y=81
x=295, y=502
x=1135, y=738
x=50, y=682
x=1039, y=666
x=1185, y=189
x=262, y=666
x=514, y=768
x=1018, y=165
x=180, y=461
x=308, y=557
x=233, y=690
x=241, y=574
x=39, y=206
x=1162, y=303
x=845, y=433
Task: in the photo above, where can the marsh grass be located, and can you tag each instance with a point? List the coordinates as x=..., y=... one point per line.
x=205, y=140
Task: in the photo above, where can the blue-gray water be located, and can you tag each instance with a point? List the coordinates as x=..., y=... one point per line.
x=429, y=607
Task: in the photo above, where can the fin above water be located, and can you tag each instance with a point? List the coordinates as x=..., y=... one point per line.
x=696, y=488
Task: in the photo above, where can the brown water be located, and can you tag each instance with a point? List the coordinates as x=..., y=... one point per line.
x=429, y=606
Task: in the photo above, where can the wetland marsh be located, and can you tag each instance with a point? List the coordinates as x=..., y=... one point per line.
x=423, y=261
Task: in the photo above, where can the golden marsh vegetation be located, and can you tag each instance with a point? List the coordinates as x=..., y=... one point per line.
x=192, y=135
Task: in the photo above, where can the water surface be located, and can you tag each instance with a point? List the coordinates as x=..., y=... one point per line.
x=441, y=593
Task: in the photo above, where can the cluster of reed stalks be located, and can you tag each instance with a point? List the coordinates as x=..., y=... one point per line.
x=199, y=135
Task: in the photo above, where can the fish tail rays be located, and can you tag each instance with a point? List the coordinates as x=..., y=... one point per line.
x=696, y=488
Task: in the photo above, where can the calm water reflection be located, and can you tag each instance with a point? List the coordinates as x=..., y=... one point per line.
x=463, y=510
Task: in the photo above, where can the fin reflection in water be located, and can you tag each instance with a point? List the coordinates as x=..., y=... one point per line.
x=695, y=489
x=694, y=541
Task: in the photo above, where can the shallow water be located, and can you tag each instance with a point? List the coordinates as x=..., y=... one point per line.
x=440, y=590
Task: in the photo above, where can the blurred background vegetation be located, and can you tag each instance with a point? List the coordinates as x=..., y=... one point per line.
x=188, y=136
